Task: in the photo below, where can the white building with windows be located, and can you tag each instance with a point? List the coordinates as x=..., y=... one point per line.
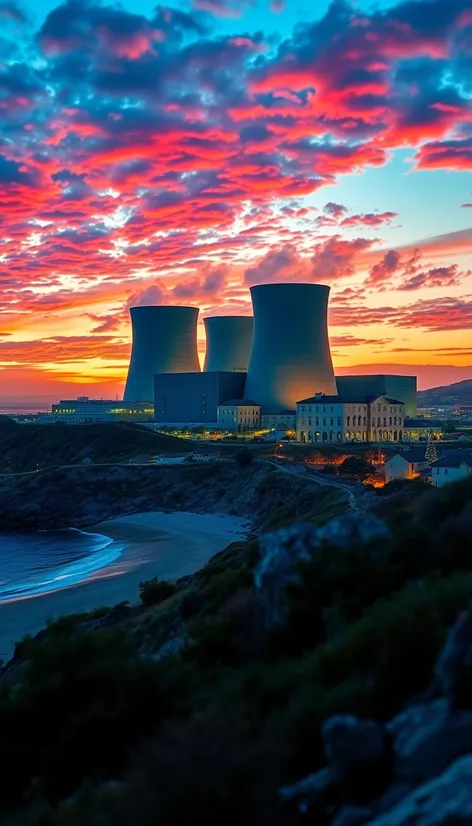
x=406, y=465
x=332, y=419
x=279, y=422
x=239, y=415
x=451, y=467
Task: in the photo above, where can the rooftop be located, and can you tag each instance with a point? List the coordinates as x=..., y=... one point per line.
x=280, y=413
x=411, y=455
x=240, y=403
x=426, y=423
x=320, y=399
x=454, y=459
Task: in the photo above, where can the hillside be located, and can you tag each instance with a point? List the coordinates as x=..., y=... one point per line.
x=458, y=393
x=26, y=447
x=81, y=496
x=206, y=703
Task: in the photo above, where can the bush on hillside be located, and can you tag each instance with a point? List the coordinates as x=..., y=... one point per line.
x=356, y=467
x=244, y=456
x=153, y=591
x=83, y=701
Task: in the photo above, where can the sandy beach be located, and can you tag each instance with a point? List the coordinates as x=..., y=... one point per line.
x=166, y=545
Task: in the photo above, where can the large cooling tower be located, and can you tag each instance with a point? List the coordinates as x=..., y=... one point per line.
x=228, y=342
x=164, y=341
x=290, y=357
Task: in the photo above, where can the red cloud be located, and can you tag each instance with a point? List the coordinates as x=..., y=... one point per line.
x=371, y=219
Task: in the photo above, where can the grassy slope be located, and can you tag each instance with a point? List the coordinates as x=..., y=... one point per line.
x=24, y=447
x=90, y=494
x=213, y=730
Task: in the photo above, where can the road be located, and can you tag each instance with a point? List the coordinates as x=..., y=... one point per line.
x=286, y=466
x=317, y=478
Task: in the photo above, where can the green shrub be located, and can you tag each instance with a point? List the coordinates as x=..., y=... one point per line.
x=244, y=456
x=83, y=701
x=153, y=591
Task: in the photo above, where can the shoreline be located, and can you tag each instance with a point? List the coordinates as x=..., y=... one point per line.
x=166, y=545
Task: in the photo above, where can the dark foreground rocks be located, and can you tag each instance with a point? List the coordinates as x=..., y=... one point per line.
x=414, y=771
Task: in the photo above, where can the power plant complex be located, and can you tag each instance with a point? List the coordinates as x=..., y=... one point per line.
x=262, y=371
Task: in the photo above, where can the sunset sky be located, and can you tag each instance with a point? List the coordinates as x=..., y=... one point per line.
x=180, y=154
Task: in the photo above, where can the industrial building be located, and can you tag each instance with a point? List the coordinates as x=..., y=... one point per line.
x=290, y=356
x=239, y=415
x=258, y=368
x=193, y=398
x=228, y=343
x=85, y=411
x=353, y=388
x=164, y=341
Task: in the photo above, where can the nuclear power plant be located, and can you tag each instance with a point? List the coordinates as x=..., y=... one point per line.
x=164, y=341
x=265, y=370
x=290, y=356
x=228, y=342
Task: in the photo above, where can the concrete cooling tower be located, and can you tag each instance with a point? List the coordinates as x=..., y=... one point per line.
x=290, y=358
x=164, y=341
x=229, y=342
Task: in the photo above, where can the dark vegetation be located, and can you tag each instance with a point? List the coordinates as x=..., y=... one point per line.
x=244, y=456
x=194, y=710
x=91, y=494
x=27, y=447
x=153, y=591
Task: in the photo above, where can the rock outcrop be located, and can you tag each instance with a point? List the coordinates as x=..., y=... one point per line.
x=414, y=771
x=445, y=801
x=283, y=551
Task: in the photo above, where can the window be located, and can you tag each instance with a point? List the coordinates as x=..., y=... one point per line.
x=317, y=421
x=348, y=421
x=324, y=422
x=331, y=409
x=339, y=422
x=309, y=409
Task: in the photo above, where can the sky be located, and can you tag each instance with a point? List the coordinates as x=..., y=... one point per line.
x=181, y=153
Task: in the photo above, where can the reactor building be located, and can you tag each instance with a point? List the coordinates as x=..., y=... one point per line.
x=290, y=356
x=228, y=343
x=257, y=368
x=164, y=341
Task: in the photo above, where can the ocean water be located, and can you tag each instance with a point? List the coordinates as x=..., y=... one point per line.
x=37, y=563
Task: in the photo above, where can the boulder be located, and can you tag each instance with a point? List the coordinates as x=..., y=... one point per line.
x=352, y=744
x=310, y=793
x=116, y=614
x=444, y=801
x=427, y=738
x=391, y=797
x=453, y=670
x=357, y=529
x=282, y=551
x=352, y=816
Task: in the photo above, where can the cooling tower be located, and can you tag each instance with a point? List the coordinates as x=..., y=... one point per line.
x=228, y=343
x=164, y=341
x=290, y=358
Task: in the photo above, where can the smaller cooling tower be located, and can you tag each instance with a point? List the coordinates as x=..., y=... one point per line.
x=229, y=342
x=164, y=341
x=290, y=358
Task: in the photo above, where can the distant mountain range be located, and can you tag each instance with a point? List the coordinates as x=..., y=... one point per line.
x=458, y=393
